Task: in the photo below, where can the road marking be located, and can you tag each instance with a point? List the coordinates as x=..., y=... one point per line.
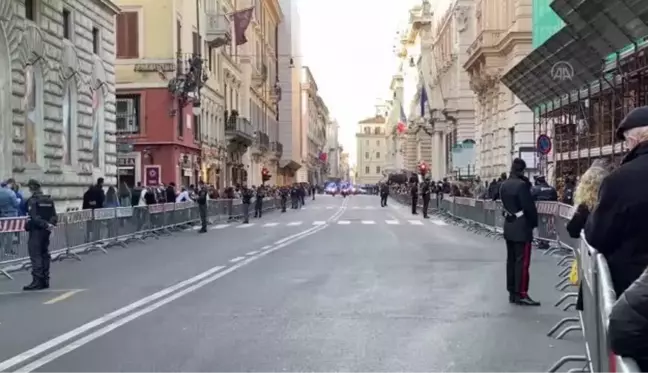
x=266, y=247
x=330, y=207
x=237, y=259
x=415, y=222
x=252, y=253
x=133, y=316
x=439, y=222
x=356, y=208
x=319, y=222
x=270, y=224
x=368, y=222
x=392, y=222
x=242, y=226
x=5, y=365
x=63, y=296
x=47, y=291
x=344, y=222
x=220, y=226
x=294, y=224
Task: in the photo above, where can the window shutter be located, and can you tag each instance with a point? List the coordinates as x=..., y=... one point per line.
x=133, y=34
x=122, y=37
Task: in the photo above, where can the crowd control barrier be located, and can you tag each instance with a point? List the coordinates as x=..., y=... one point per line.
x=84, y=231
x=580, y=265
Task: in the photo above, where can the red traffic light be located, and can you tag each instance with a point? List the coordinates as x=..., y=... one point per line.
x=264, y=171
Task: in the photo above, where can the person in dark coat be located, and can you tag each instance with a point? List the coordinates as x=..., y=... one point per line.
x=520, y=218
x=384, y=193
x=617, y=227
x=94, y=197
x=628, y=327
x=171, y=193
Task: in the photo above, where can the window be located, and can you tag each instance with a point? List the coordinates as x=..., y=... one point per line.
x=196, y=43
x=196, y=129
x=377, y=155
x=98, y=133
x=378, y=169
x=367, y=130
x=367, y=170
x=181, y=122
x=30, y=10
x=128, y=114
x=128, y=35
x=69, y=123
x=377, y=131
x=377, y=142
x=366, y=155
x=178, y=37
x=67, y=26
x=34, y=135
x=95, y=40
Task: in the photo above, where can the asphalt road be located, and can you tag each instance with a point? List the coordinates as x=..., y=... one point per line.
x=342, y=285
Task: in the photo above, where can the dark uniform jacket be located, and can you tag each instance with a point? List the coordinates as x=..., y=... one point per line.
x=425, y=188
x=246, y=196
x=617, y=226
x=384, y=190
x=628, y=328
x=515, y=193
x=544, y=192
x=41, y=212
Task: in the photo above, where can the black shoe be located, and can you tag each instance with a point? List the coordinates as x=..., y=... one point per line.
x=512, y=298
x=425, y=217
x=35, y=285
x=202, y=231
x=526, y=301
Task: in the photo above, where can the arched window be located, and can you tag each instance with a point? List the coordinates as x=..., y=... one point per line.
x=68, y=135
x=98, y=125
x=34, y=134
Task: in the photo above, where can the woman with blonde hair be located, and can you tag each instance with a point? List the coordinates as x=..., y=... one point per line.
x=586, y=195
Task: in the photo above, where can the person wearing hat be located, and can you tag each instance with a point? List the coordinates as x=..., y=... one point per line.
x=426, y=190
x=617, y=226
x=42, y=219
x=520, y=218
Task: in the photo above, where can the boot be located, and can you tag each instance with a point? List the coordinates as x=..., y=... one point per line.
x=513, y=298
x=36, y=284
x=526, y=301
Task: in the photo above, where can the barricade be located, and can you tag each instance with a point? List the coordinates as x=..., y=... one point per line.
x=83, y=231
x=598, y=297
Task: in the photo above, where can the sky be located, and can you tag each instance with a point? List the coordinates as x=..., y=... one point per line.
x=348, y=45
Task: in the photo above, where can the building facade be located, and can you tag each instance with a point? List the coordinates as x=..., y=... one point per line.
x=57, y=94
x=291, y=131
x=345, y=167
x=334, y=149
x=504, y=123
x=372, y=148
x=314, y=118
x=158, y=128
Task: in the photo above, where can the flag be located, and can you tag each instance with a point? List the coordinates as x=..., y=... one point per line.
x=241, y=20
x=402, y=121
x=424, y=101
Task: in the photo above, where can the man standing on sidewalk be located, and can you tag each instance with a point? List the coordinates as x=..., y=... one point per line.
x=202, y=206
x=520, y=218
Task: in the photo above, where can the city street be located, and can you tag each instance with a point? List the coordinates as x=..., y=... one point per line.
x=342, y=285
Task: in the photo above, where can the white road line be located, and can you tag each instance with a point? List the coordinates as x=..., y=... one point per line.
x=415, y=222
x=242, y=226
x=319, y=222
x=220, y=226
x=330, y=207
x=5, y=365
x=368, y=222
x=252, y=253
x=206, y=280
x=344, y=222
x=237, y=259
x=266, y=247
x=392, y=222
x=439, y=222
x=196, y=227
x=294, y=224
x=356, y=208
x=270, y=224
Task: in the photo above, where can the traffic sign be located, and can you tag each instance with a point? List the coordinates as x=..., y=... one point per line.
x=543, y=144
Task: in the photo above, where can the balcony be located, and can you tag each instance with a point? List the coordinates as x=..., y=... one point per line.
x=239, y=130
x=485, y=39
x=218, y=31
x=276, y=150
x=261, y=143
x=259, y=75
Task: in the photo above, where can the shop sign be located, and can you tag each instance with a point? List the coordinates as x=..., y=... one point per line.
x=153, y=175
x=126, y=162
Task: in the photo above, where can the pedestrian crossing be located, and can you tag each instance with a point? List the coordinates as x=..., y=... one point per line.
x=270, y=225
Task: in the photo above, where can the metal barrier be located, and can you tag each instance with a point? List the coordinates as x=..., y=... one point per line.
x=595, y=284
x=79, y=232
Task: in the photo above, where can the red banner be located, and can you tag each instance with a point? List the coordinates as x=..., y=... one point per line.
x=152, y=175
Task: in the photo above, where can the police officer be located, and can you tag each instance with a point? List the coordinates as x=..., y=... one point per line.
x=414, y=192
x=246, y=198
x=542, y=191
x=258, y=202
x=283, y=193
x=201, y=199
x=384, y=193
x=520, y=218
x=426, y=190
x=41, y=221
x=294, y=197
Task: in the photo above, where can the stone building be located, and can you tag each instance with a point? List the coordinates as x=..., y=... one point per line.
x=57, y=94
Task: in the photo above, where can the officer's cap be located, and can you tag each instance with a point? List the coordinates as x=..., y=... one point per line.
x=638, y=117
x=33, y=183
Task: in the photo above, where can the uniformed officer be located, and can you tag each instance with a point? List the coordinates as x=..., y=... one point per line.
x=283, y=193
x=41, y=221
x=426, y=190
x=202, y=206
x=258, y=202
x=246, y=198
x=414, y=193
x=384, y=193
x=520, y=218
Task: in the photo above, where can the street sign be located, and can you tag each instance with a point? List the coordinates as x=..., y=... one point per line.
x=543, y=144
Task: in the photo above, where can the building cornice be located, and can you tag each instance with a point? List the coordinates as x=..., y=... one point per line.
x=108, y=4
x=275, y=9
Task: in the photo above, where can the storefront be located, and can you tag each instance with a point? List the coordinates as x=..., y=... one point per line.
x=129, y=169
